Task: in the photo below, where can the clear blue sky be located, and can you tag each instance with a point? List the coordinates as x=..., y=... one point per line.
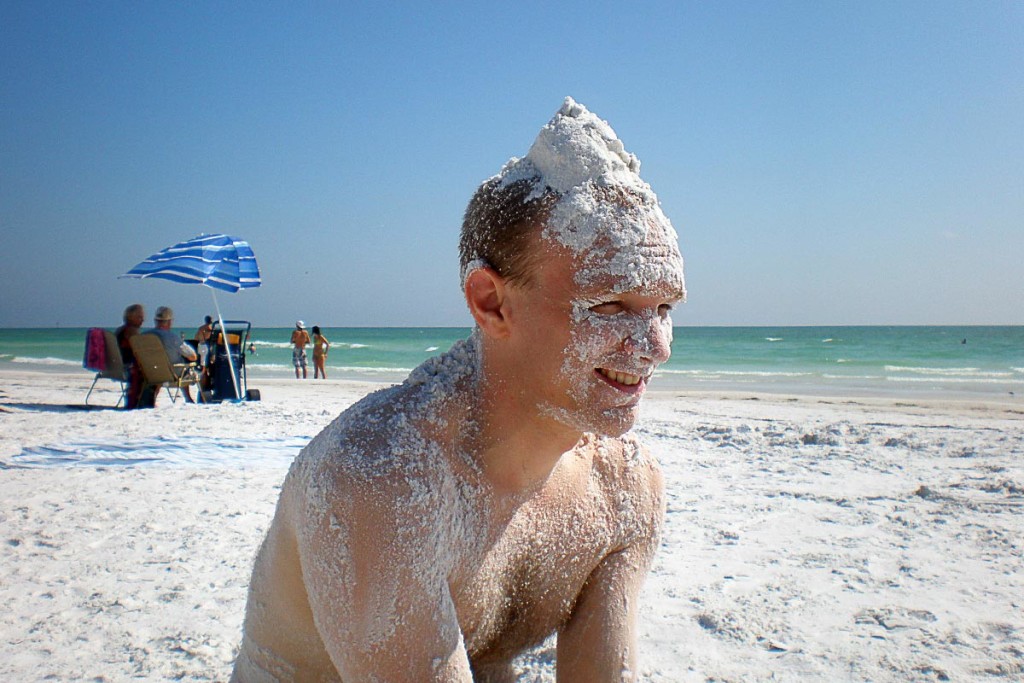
x=823, y=162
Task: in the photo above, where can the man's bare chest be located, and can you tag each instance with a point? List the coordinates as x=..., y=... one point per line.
x=525, y=585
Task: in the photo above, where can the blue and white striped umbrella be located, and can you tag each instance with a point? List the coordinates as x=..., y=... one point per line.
x=218, y=261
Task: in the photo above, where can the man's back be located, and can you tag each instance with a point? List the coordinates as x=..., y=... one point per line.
x=171, y=342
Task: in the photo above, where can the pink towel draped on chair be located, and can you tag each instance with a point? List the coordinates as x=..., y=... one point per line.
x=95, y=350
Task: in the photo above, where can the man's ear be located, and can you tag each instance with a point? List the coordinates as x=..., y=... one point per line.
x=486, y=293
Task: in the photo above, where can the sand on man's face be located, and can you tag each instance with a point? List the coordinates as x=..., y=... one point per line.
x=606, y=222
x=805, y=540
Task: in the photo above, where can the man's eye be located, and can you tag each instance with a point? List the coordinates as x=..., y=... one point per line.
x=608, y=308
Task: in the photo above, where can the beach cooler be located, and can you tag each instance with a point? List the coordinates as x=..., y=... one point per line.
x=231, y=340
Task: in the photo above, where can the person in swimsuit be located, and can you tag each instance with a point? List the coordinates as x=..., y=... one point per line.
x=300, y=340
x=320, y=347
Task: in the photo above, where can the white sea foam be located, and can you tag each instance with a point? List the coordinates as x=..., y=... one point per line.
x=950, y=372
x=282, y=367
x=357, y=369
x=45, y=361
x=732, y=373
x=948, y=379
x=773, y=339
x=287, y=345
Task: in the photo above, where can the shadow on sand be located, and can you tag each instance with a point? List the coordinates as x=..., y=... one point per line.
x=52, y=407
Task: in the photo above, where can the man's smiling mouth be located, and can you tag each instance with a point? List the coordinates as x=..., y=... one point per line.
x=623, y=379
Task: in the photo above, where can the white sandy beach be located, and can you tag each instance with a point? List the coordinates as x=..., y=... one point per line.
x=806, y=539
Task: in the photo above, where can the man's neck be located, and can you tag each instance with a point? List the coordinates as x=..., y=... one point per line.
x=518, y=445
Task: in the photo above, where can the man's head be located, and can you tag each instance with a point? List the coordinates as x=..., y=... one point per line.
x=134, y=315
x=164, y=317
x=570, y=269
x=500, y=227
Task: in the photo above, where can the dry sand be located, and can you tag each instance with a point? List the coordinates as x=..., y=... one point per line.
x=806, y=539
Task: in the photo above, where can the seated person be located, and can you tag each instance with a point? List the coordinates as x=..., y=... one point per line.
x=134, y=316
x=178, y=351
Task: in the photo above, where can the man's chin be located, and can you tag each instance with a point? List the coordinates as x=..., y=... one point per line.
x=610, y=422
x=615, y=422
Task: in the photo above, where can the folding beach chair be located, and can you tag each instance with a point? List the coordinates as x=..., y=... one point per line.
x=110, y=367
x=157, y=369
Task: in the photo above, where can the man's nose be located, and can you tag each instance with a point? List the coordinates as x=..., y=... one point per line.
x=651, y=339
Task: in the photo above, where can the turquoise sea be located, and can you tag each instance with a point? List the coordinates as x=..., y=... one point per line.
x=835, y=361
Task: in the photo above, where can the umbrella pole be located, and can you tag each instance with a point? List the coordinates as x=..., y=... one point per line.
x=227, y=343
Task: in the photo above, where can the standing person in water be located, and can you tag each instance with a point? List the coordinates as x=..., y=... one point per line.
x=300, y=340
x=437, y=529
x=320, y=348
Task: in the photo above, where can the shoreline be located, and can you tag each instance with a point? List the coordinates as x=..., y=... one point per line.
x=661, y=385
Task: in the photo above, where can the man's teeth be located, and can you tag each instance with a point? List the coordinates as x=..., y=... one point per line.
x=620, y=377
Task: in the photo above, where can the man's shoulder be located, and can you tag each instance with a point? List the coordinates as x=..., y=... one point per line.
x=629, y=480
x=383, y=437
x=621, y=458
x=376, y=466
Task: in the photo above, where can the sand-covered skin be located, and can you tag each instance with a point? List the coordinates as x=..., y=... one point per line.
x=804, y=540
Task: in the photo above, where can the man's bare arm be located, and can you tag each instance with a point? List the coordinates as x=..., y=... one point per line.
x=379, y=593
x=599, y=641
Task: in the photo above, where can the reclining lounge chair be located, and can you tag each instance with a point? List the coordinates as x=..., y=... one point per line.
x=157, y=369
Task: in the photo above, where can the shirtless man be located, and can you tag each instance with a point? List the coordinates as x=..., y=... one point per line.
x=300, y=339
x=437, y=529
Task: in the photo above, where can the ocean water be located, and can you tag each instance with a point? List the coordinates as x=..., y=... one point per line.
x=838, y=361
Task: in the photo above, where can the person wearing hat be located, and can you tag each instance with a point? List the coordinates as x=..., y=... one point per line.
x=177, y=352
x=300, y=340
